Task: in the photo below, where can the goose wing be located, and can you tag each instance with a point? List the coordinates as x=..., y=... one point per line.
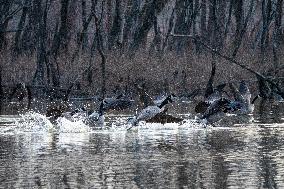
x=244, y=91
x=215, y=96
x=222, y=105
x=148, y=113
x=238, y=96
x=144, y=97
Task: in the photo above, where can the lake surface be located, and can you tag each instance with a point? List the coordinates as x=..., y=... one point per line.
x=248, y=153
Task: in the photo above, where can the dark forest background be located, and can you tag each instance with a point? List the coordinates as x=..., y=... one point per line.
x=105, y=46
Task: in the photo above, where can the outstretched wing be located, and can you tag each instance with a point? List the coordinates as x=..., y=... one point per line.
x=222, y=105
x=237, y=94
x=148, y=113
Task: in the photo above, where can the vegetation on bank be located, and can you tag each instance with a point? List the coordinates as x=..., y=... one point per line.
x=102, y=47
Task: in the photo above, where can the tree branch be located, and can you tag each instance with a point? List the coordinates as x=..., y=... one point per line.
x=259, y=76
x=212, y=50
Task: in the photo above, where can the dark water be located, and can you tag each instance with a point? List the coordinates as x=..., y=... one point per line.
x=250, y=154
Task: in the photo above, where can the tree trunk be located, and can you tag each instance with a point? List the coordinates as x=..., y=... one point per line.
x=170, y=28
x=184, y=12
x=84, y=36
x=241, y=31
x=41, y=53
x=147, y=17
x=1, y=90
x=156, y=45
x=100, y=47
x=228, y=21
x=61, y=36
x=116, y=33
x=4, y=21
x=203, y=15
x=131, y=22
x=277, y=36
x=17, y=47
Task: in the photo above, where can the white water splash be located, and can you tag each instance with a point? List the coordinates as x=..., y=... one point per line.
x=33, y=122
x=66, y=126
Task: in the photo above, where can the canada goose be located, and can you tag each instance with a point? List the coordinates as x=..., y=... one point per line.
x=151, y=111
x=278, y=98
x=97, y=116
x=88, y=117
x=78, y=111
x=77, y=114
x=214, y=95
x=216, y=110
x=242, y=98
x=146, y=101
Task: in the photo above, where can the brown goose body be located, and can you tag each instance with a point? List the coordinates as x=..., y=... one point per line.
x=164, y=118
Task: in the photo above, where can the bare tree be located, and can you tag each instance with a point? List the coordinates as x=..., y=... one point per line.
x=277, y=37
x=18, y=35
x=41, y=12
x=241, y=25
x=117, y=29
x=61, y=36
x=7, y=12
x=147, y=17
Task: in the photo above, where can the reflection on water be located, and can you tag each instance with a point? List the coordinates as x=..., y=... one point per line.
x=36, y=154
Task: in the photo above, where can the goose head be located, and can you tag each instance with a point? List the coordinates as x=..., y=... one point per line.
x=167, y=100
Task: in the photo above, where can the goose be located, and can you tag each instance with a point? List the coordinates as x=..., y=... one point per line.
x=88, y=117
x=107, y=104
x=217, y=109
x=77, y=114
x=151, y=111
x=211, y=96
x=242, y=99
x=146, y=100
x=277, y=97
x=97, y=117
x=216, y=94
x=79, y=111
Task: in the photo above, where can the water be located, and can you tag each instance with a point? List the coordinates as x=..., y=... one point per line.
x=37, y=154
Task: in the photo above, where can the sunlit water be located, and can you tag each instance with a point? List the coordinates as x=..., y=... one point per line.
x=247, y=153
